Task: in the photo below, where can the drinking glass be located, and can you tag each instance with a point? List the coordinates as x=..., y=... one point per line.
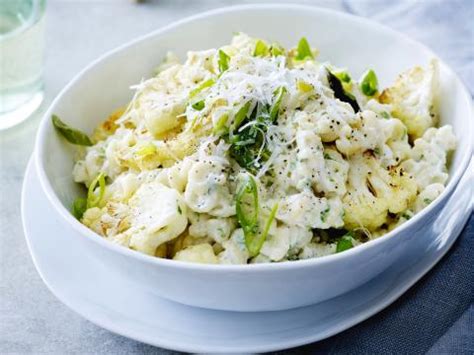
x=21, y=59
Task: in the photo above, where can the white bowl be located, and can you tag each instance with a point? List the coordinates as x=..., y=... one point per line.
x=345, y=40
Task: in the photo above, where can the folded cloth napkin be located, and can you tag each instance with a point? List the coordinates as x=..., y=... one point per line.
x=435, y=316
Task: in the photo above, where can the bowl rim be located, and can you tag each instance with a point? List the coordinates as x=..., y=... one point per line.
x=41, y=138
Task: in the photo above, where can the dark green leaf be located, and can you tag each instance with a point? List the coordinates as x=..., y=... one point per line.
x=72, y=135
x=339, y=92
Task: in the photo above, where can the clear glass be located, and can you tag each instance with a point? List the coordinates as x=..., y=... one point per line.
x=21, y=59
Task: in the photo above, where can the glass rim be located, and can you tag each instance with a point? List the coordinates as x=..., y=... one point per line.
x=36, y=14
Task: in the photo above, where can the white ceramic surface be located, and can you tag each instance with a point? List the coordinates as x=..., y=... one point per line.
x=346, y=41
x=112, y=302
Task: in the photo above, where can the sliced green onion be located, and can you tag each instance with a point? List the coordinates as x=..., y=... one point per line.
x=255, y=244
x=246, y=204
x=344, y=243
x=94, y=199
x=343, y=76
x=199, y=105
x=277, y=50
x=201, y=87
x=220, y=126
x=261, y=49
x=303, y=86
x=223, y=61
x=303, y=50
x=274, y=110
x=72, y=135
x=369, y=83
x=240, y=116
x=79, y=207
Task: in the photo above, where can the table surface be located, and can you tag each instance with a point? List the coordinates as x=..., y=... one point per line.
x=32, y=320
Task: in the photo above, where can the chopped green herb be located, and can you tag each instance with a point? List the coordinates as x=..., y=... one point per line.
x=179, y=210
x=275, y=108
x=303, y=50
x=377, y=150
x=72, y=135
x=327, y=156
x=385, y=115
x=79, y=206
x=93, y=199
x=303, y=86
x=199, y=105
x=223, y=61
x=324, y=214
x=427, y=201
x=344, y=243
x=369, y=83
x=261, y=49
x=247, y=145
x=201, y=87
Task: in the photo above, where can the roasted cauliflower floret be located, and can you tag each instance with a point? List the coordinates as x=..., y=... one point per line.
x=207, y=190
x=373, y=192
x=235, y=251
x=306, y=210
x=413, y=98
x=428, y=195
x=428, y=157
x=158, y=215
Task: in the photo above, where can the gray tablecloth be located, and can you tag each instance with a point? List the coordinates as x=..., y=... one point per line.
x=436, y=315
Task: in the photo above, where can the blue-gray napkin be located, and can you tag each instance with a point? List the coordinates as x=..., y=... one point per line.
x=435, y=316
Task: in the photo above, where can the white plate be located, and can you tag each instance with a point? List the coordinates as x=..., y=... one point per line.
x=110, y=302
